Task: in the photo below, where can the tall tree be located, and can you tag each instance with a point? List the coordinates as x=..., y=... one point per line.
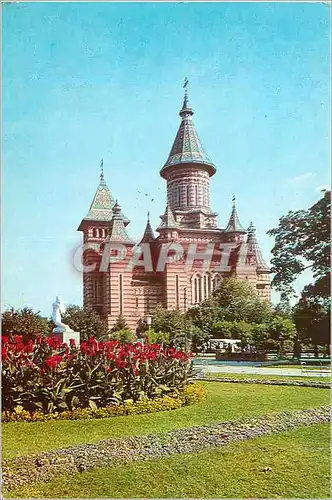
x=302, y=241
x=85, y=321
x=312, y=318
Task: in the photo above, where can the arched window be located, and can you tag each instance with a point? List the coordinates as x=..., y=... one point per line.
x=205, y=291
x=179, y=196
x=209, y=284
x=188, y=195
x=216, y=282
x=196, y=194
x=200, y=294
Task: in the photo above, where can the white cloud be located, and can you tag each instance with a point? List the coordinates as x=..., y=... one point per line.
x=302, y=177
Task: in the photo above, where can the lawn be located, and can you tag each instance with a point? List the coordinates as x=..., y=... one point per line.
x=224, y=402
x=325, y=378
x=299, y=461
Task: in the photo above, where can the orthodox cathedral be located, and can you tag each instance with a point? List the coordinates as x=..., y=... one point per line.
x=130, y=290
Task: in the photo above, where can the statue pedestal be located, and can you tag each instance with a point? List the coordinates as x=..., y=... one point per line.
x=65, y=336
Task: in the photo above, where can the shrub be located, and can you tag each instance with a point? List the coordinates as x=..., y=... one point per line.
x=24, y=322
x=153, y=337
x=48, y=376
x=124, y=336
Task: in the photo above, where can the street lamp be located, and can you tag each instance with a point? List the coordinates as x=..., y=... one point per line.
x=148, y=321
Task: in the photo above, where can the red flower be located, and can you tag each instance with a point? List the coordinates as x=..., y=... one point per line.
x=53, y=361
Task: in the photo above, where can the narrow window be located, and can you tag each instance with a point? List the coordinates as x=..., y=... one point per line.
x=196, y=194
x=200, y=289
x=179, y=196
x=209, y=284
x=177, y=290
x=136, y=302
x=188, y=195
x=121, y=293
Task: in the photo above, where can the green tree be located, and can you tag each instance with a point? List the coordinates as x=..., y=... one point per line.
x=234, y=300
x=284, y=308
x=281, y=333
x=85, y=321
x=312, y=319
x=172, y=322
x=120, y=324
x=302, y=241
x=260, y=337
x=24, y=322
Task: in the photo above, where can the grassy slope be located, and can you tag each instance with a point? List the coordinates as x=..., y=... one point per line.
x=299, y=460
x=224, y=402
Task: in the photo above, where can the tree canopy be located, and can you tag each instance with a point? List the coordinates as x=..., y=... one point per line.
x=302, y=241
x=24, y=322
x=234, y=300
x=85, y=321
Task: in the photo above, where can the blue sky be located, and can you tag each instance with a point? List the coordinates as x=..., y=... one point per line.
x=88, y=81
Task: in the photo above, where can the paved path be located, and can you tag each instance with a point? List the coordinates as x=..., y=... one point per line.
x=255, y=370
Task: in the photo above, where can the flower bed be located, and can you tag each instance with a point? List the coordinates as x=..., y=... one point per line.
x=193, y=393
x=44, y=466
x=49, y=377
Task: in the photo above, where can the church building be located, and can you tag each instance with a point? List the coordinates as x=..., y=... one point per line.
x=124, y=285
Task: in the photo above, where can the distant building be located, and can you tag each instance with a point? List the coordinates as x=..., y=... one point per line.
x=188, y=219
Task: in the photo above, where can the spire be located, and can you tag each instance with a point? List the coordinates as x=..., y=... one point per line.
x=254, y=254
x=186, y=110
x=148, y=235
x=167, y=220
x=234, y=225
x=117, y=232
x=187, y=147
x=101, y=208
x=102, y=180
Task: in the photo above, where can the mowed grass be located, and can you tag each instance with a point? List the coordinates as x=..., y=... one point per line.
x=299, y=461
x=225, y=401
x=262, y=375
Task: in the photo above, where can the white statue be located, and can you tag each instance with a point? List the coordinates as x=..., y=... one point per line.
x=58, y=309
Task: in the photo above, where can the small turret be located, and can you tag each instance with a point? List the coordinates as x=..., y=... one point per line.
x=167, y=220
x=117, y=232
x=148, y=235
x=254, y=254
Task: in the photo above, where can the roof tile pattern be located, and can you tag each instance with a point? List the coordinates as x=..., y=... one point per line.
x=187, y=147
